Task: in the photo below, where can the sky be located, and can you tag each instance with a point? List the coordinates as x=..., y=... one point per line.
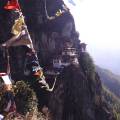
x=98, y=22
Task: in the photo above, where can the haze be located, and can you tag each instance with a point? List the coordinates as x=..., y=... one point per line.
x=98, y=22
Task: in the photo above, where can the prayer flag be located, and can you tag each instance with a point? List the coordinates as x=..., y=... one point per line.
x=12, y=5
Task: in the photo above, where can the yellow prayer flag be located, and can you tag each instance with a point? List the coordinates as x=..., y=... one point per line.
x=17, y=27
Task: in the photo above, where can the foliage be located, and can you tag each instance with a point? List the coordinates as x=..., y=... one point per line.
x=25, y=98
x=113, y=101
x=87, y=65
x=110, y=80
x=111, y=88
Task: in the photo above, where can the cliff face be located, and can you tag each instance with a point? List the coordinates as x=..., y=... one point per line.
x=77, y=94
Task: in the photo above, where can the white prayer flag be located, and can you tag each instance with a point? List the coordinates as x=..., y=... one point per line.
x=1, y=117
x=6, y=80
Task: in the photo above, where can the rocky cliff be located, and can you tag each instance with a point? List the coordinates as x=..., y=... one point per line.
x=77, y=94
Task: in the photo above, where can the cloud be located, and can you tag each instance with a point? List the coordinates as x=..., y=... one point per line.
x=72, y=2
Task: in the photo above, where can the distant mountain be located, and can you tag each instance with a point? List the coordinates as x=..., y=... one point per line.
x=111, y=89
x=112, y=100
x=110, y=80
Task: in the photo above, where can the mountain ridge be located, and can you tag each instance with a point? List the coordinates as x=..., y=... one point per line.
x=110, y=80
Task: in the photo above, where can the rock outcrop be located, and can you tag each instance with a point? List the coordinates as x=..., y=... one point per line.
x=77, y=94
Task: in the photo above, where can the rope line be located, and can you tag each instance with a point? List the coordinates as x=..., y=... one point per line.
x=8, y=62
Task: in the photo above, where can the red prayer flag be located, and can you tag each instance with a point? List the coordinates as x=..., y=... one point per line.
x=12, y=5
x=3, y=74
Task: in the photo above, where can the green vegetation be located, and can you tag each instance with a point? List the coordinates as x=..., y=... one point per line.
x=113, y=101
x=25, y=98
x=111, y=89
x=87, y=65
x=110, y=80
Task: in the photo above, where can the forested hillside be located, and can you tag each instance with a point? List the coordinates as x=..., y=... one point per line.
x=111, y=88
